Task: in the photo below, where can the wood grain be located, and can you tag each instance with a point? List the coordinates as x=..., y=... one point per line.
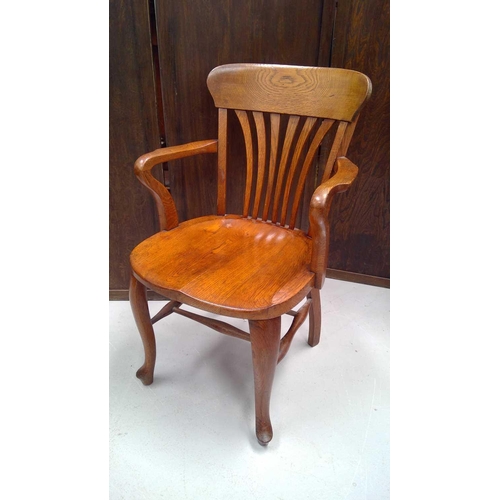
x=247, y=134
x=222, y=163
x=142, y=318
x=275, y=128
x=193, y=38
x=359, y=41
x=360, y=237
x=314, y=318
x=133, y=130
x=319, y=215
x=167, y=212
x=293, y=90
x=121, y=294
x=215, y=324
x=251, y=85
x=242, y=266
x=165, y=311
x=311, y=154
x=291, y=128
x=265, y=340
x=298, y=319
x=227, y=266
x=290, y=175
x=261, y=165
x=337, y=274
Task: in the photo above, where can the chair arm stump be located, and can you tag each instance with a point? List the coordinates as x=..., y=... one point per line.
x=319, y=210
x=167, y=212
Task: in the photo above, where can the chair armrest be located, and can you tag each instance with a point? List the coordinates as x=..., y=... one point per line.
x=167, y=213
x=319, y=210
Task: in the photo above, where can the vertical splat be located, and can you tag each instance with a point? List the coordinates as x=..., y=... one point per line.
x=326, y=125
x=221, y=162
x=275, y=130
x=334, y=151
x=304, y=134
x=247, y=134
x=293, y=121
x=291, y=173
x=307, y=98
x=261, y=159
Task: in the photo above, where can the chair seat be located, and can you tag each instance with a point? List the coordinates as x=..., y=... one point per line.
x=228, y=265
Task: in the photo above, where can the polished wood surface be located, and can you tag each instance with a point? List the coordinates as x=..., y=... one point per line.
x=228, y=266
x=265, y=340
x=241, y=265
x=165, y=311
x=285, y=92
x=314, y=318
x=321, y=203
x=298, y=319
x=215, y=324
x=221, y=163
x=140, y=309
x=293, y=90
x=167, y=213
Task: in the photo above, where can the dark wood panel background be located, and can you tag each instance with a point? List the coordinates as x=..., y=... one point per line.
x=193, y=37
x=133, y=131
x=359, y=239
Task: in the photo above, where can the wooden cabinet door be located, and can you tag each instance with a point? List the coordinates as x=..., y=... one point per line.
x=133, y=132
x=359, y=240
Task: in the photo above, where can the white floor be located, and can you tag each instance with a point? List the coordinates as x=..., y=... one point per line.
x=190, y=435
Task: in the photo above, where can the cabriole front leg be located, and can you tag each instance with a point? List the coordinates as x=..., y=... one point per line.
x=139, y=304
x=265, y=340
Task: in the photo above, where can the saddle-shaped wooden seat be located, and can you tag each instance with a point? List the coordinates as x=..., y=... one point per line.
x=228, y=265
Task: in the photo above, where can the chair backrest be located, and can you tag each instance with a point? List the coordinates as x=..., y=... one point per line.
x=307, y=102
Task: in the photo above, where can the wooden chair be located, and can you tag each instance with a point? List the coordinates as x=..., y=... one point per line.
x=255, y=265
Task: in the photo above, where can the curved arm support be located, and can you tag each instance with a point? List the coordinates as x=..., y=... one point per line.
x=167, y=212
x=319, y=211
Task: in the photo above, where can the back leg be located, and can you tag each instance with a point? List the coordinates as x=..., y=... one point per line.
x=139, y=304
x=314, y=317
